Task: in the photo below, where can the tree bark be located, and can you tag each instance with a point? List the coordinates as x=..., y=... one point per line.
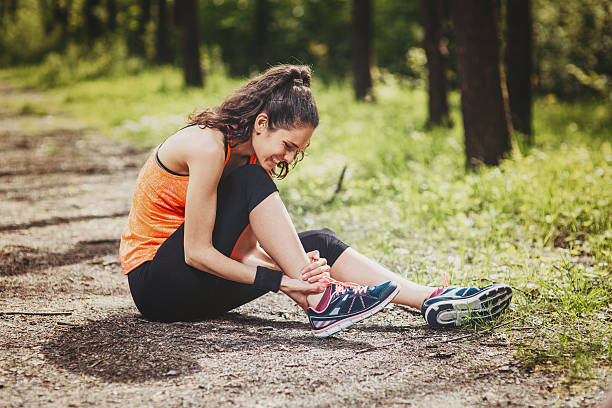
x=145, y=17
x=437, y=61
x=54, y=13
x=138, y=40
x=61, y=14
x=519, y=63
x=13, y=5
x=260, y=34
x=190, y=45
x=484, y=104
x=45, y=16
x=93, y=25
x=362, y=33
x=163, y=52
x=111, y=11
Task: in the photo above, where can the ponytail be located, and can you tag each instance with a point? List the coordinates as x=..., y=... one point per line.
x=282, y=92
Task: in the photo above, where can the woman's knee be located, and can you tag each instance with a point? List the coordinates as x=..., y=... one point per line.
x=252, y=182
x=250, y=175
x=326, y=241
x=323, y=234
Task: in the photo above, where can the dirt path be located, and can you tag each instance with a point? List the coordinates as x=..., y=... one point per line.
x=64, y=195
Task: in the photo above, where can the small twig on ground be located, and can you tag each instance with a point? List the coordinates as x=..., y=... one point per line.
x=373, y=348
x=523, y=328
x=338, y=186
x=390, y=373
x=458, y=338
x=20, y=312
x=190, y=338
x=95, y=363
x=67, y=324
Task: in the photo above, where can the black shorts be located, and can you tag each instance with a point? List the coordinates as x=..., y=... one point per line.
x=167, y=289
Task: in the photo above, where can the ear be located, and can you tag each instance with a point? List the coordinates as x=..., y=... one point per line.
x=261, y=122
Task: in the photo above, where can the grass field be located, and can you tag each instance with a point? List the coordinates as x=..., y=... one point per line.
x=541, y=222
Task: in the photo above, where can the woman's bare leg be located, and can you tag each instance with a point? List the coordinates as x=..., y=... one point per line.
x=276, y=234
x=352, y=266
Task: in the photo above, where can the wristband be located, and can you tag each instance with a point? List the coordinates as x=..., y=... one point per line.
x=268, y=279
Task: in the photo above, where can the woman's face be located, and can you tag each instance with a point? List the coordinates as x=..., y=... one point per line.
x=273, y=147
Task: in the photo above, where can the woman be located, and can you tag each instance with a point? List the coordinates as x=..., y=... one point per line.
x=208, y=232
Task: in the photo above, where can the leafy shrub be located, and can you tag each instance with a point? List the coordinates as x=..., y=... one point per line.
x=78, y=63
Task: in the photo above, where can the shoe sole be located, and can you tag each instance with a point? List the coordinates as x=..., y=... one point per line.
x=343, y=324
x=481, y=307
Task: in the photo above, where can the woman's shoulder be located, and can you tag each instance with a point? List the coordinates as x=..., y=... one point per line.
x=193, y=147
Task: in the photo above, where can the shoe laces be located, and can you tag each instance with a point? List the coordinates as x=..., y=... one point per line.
x=343, y=287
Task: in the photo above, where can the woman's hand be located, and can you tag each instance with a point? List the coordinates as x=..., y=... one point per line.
x=310, y=284
x=317, y=269
x=298, y=290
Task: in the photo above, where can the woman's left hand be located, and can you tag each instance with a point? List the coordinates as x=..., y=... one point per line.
x=298, y=290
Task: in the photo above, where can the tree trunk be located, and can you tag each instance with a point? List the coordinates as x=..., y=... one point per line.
x=13, y=5
x=145, y=17
x=45, y=16
x=111, y=11
x=437, y=60
x=138, y=42
x=61, y=13
x=260, y=34
x=54, y=13
x=163, y=53
x=8, y=9
x=190, y=45
x=486, y=116
x=362, y=33
x=519, y=64
x=93, y=25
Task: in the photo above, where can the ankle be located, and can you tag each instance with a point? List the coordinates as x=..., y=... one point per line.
x=313, y=300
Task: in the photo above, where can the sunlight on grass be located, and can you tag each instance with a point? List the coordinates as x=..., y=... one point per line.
x=542, y=223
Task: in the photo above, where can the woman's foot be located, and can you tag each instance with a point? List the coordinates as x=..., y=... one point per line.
x=344, y=304
x=455, y=306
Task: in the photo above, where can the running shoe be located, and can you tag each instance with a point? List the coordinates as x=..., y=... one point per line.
x=455, y=306
x=344, y=304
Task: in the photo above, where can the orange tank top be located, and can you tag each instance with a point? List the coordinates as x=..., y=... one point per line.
x=158, y=209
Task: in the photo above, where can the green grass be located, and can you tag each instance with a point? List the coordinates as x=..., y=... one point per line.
x=541, y=222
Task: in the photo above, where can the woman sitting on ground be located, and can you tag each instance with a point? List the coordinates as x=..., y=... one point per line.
x=208, y=231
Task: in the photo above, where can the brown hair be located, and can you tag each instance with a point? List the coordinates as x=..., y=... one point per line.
x=282, y=92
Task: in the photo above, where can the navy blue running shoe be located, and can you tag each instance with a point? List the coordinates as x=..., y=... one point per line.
x=344, y=304
x=455, y=306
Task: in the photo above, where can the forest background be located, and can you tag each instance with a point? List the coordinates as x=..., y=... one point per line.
x=379, y=171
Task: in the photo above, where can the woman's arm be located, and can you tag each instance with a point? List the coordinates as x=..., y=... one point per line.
x=204, y=155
